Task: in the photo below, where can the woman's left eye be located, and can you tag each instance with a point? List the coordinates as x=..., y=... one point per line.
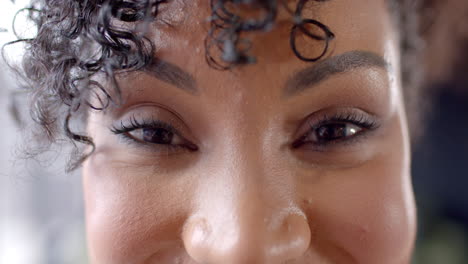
x=159, y=136
x=332, y=132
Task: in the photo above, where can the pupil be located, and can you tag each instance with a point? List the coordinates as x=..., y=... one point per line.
x=157, y=136
x=331, y=132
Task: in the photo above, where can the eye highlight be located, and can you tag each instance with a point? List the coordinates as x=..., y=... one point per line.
x=333, y=131
x=326, y=130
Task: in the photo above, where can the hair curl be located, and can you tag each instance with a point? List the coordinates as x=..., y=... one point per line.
x=78, y=39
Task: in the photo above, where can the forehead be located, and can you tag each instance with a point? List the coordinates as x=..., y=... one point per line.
x=357, y=24
x=181, y=29
x=356, y=21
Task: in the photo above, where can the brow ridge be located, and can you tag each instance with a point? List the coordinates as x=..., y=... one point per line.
x=172, y=74
x=319, y=72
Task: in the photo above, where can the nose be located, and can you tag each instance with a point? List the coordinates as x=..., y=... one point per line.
x=245, y=241
x=246, y=222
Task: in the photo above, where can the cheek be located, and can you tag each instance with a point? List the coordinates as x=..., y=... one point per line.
x=367, y=213
x=373, y=221
x=128, y=213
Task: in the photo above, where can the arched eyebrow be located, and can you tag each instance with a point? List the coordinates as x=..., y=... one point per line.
x=298, y=82
x=172, y=74
x=318, y=72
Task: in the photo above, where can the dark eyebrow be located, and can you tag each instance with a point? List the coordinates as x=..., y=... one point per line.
x=172, y=74
x=322, y=70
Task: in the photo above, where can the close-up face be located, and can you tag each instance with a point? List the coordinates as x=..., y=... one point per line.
x=278, y=161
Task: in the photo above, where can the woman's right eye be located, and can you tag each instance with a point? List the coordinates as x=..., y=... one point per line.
x=156, y=135
x=152, y=133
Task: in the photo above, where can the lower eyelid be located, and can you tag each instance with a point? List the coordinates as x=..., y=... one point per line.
x=166, y=149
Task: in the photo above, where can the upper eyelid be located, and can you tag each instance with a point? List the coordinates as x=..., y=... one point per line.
x=349, y=119
x=146, y=104
x=350, y=115
x=150, y=110
x=136, y=124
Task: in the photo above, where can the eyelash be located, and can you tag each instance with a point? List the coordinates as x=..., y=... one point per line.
x=361, y=120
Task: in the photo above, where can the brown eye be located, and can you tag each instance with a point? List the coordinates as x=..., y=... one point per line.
x=342, y=127
x=332, y=132
x=159, y=136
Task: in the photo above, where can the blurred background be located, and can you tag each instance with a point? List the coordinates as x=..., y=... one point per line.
x=41, y=214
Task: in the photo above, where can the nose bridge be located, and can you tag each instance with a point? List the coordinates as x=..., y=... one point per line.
x=244, y=158
x=248, y=213
x=249, y=186
x=261, y=191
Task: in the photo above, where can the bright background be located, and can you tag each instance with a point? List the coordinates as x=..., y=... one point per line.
x=41, y=218
x=41, y=214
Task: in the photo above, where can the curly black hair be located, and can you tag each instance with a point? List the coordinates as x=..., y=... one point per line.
x=78, y=39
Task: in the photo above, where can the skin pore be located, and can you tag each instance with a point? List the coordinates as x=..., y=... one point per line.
x=281, y=161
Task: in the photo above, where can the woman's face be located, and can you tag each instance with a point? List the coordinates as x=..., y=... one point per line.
x=279, y=161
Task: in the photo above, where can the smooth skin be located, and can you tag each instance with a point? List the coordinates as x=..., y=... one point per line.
x=233, y=185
